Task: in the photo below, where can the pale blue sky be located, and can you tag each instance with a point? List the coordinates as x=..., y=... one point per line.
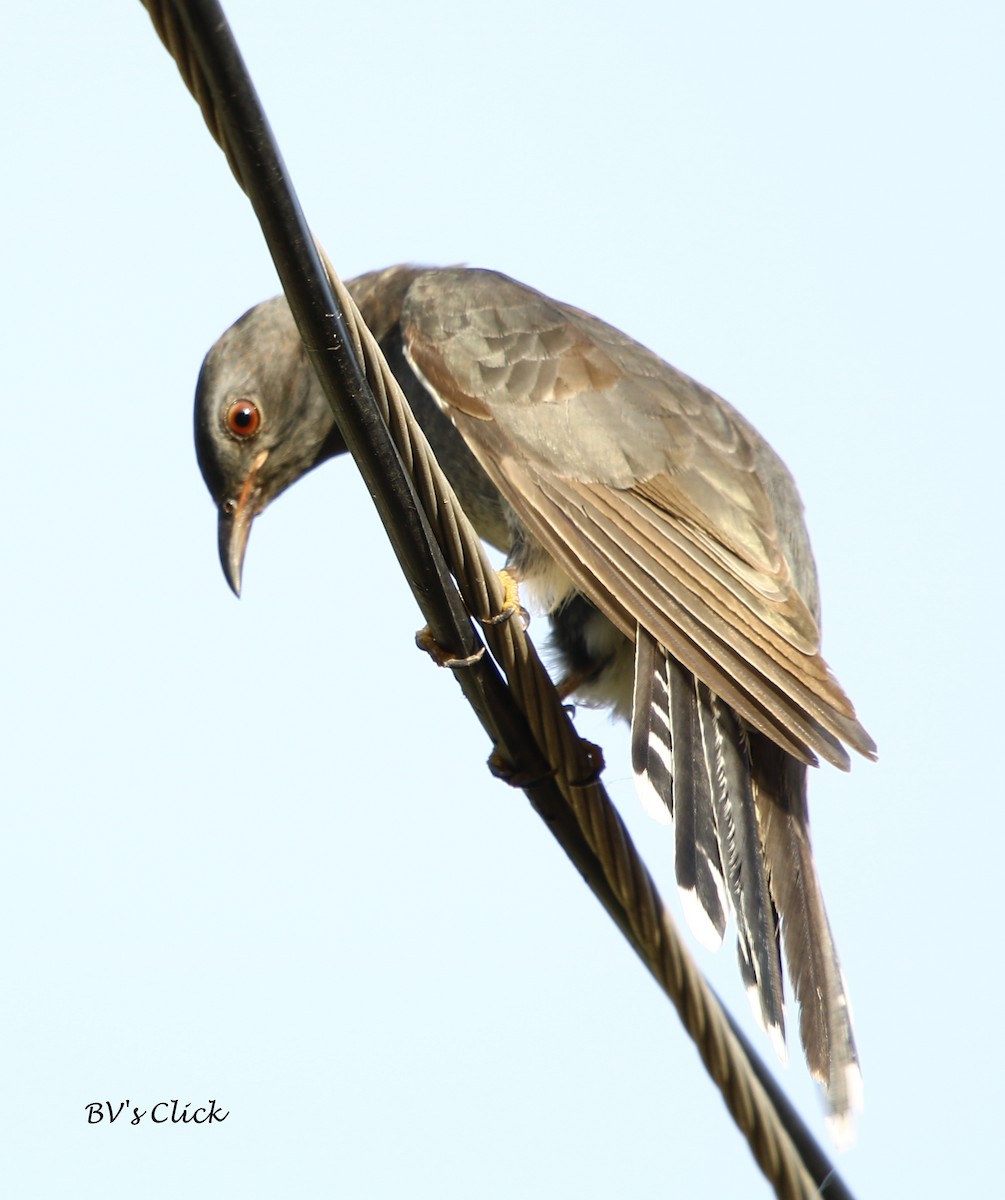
x=249, y=850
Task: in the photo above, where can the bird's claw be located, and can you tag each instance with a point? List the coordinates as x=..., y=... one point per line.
x=518, y=777
x=440, y=655
x=521, y=777
x=594, y=762
x=511, y=602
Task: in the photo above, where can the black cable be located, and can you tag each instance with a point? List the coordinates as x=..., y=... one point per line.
x=258, y=165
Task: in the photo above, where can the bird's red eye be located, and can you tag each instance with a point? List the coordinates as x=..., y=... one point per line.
x=243, y=419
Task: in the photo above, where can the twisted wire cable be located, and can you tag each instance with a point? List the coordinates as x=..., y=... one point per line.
x=625, y=888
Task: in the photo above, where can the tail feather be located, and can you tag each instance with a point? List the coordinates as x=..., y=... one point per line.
x=652, y=744
x=668, y=762
x=818, y=983
x=727, y=762
x=697, y=855
x=738, y=802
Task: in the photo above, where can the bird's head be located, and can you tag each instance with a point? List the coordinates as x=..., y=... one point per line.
x=261, y=422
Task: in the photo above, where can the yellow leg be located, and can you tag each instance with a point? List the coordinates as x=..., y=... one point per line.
x=511, y=601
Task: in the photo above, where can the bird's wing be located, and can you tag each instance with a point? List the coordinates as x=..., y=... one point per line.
x=659, y=501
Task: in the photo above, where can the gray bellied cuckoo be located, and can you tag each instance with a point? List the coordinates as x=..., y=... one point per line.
x=664, y=538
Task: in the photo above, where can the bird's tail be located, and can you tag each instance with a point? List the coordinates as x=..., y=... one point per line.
x=825, y=1028
x=691, y=753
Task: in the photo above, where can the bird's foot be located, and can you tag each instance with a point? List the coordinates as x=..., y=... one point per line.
x=511, y=601
x=521, y=777
x=440, y=655
x=515, y=776
x=594, y=764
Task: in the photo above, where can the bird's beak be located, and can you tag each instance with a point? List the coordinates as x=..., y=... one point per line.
x=234, y=525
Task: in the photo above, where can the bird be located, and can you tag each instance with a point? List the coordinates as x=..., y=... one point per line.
x=665, y=540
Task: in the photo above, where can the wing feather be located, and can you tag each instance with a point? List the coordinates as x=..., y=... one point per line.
x=608, y=578
x=662, y=504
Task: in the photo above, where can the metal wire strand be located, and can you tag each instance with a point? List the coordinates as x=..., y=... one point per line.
x=622, y=882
